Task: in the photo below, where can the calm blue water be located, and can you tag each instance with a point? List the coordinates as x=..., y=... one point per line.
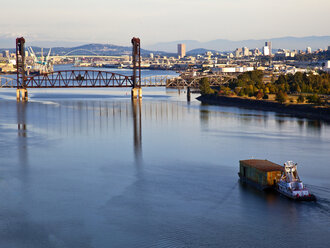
x=90, y=168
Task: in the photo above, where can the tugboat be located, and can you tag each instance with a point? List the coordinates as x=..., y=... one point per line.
x=291, y=186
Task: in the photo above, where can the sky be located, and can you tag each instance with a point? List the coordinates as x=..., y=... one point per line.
x=117, y=21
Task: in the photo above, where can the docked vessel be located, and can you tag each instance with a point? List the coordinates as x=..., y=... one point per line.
x=291, y=186
x=264, y=174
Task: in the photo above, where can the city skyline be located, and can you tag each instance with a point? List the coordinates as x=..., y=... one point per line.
x=162, y=21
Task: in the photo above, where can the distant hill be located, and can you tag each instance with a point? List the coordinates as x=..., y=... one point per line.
x=170, y=48
x=90, y=49
x=200, y=51
x=314, y=42
x=101, y=49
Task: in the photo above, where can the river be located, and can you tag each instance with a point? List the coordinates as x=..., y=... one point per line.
x=90, y=168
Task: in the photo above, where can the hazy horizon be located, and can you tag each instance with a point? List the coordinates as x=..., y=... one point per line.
x=68, y=44
x=114, y=22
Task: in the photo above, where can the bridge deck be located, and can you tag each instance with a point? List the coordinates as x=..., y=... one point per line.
x=104, y=79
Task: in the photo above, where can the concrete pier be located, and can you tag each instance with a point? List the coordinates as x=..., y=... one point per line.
x=22, y=94
x=136, y=93
x=140, y=93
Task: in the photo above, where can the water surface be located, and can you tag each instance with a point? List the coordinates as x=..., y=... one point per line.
x=91, y=168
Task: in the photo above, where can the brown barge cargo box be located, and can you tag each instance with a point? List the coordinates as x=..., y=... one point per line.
x=261, y=173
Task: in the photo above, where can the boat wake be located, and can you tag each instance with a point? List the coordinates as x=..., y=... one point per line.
x=323, y=198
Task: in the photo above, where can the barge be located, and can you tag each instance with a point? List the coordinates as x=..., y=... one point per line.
x=264, y=174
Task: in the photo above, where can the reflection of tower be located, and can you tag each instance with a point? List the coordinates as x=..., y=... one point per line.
x=22, y=139
x=21, y=123
x=136, y=110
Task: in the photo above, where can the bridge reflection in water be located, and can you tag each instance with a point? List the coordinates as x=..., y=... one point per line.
x=108, y=121
x=137, y=123
x=92, y=118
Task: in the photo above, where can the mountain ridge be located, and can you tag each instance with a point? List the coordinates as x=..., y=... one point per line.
x=287, y=42
x=93, y=48
x=193, y=46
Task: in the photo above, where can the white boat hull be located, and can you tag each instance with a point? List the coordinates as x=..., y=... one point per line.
x=296, y=194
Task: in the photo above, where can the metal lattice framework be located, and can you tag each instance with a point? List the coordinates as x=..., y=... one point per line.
x=7, y=82
x=90, y=79
x=214, y=80
x=78, y=79
x=155, y=81
x=80, y=50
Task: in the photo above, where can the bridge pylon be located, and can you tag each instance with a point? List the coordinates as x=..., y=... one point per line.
x=136, y=60
x=21, y=92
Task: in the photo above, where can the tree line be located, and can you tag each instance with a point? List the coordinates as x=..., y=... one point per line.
x=251, y=84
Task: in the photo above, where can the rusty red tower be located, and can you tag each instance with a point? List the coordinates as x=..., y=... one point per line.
x=136, y=60
x=20, y=65
x=20, y=62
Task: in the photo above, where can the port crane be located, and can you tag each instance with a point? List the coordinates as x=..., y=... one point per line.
x=41, y=64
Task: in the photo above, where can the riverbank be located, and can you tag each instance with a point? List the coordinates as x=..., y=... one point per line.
x=298, y=110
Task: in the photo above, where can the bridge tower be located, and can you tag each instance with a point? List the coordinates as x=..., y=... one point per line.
x=136, y=60
x=20, y=64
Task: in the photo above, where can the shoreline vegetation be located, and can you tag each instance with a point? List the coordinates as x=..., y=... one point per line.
x=297, y=110
x=301, y=95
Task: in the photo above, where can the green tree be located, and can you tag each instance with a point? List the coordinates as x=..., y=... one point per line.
x=259, y=95
x=280, y=97
x=204, y=86
x=225, y=90
x=241, y=92
x=301, y=99
x=267, y=90
x=237, y=90
x=314, y=99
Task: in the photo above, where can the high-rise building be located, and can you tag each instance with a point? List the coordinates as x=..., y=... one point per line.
x=246, y=51
x=269, y=45
x=266, y=51
x=256, y=52
x=308, y=50
x=327, y=66
x=238, y=52
x=181, y=50
x=6, y=53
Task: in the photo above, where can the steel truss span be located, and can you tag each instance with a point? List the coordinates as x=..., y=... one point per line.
x=77, y=79
x=7, y=82
x=193, y=82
